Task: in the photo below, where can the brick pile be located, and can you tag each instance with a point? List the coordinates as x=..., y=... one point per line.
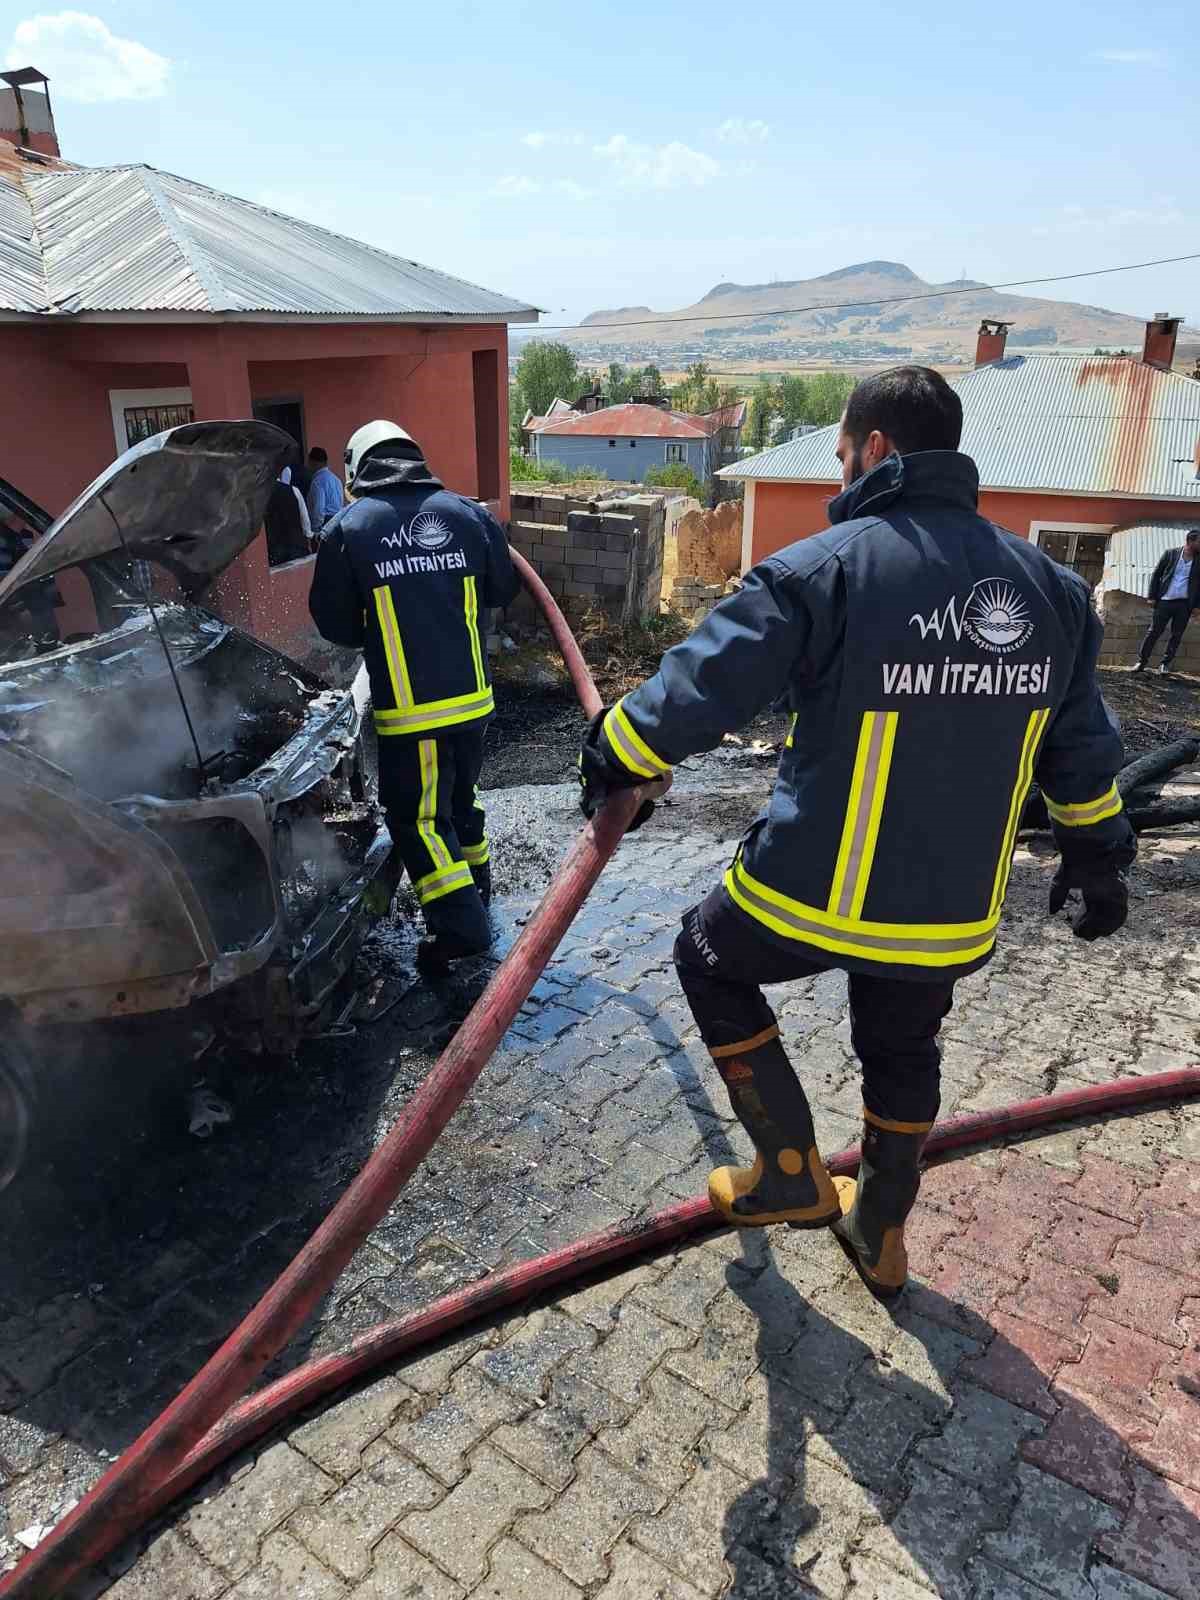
x=593, y=553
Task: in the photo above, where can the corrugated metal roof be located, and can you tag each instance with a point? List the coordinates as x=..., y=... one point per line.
x=134, y=239
x=22, y=283
x=626, y=422
x=1081, y=424
x=1133, y=554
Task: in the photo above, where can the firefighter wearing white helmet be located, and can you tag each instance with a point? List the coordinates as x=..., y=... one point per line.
x=407, y=573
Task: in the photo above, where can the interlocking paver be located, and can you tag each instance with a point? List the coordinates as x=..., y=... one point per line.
x=228, y=1526
x=1119, y=1366
x=588, y=1517
x=1021, y=1362
x=1159, y=1541
x=633, y=1575
x=1082, y=1238
x=400, y=1573
x=1087, y=1445
x=1169, y=1238
x=659, y=1438
x=1051, y=1533
x=342, y=1531
x=441, y=1438
x=285, y=1567
x=522, y=1364
x=1053, y=1296
x=637, y=1343
x=689, y=1537
x=458, y=1533
x=169, y=1567
x=1110, y=1584
x=939, y=1525
x=979, y=1440
x=870, y=1441
x=516, y=1572
x=335, y=1439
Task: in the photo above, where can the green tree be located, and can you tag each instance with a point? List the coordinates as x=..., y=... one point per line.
x=675, y=476
x=827, y=396
x=619, y=385
x=651, y=382
x=764, y=405
x=546, y=371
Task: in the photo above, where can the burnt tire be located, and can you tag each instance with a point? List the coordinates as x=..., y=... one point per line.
x=16, y=1110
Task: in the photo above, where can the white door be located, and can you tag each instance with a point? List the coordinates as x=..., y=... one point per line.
x=138, y=414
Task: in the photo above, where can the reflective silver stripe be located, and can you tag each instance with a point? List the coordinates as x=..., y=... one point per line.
x=1080, y=816
x=875, y=772
x=625, y=751
x=436, y=715
x=866, y=941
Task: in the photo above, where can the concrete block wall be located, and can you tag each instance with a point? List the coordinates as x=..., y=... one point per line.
x=693, y=598
x=1126, y=618
x=592, y=553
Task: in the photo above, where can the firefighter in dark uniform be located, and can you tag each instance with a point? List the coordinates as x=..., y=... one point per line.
x=934, y=666
x=408, y=572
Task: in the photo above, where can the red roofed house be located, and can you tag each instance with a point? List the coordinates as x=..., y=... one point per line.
x=625, y=441
x=1092, y=457
x=131, y=300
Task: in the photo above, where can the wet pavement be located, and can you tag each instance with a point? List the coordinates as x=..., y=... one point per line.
x=737, y=1418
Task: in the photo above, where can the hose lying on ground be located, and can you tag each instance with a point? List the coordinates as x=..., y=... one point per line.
x=198, y=1429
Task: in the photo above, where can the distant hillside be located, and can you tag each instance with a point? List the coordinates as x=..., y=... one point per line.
x=942, y=327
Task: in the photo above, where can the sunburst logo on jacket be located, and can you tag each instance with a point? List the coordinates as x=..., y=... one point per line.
x=996, y=617
x=429, y=532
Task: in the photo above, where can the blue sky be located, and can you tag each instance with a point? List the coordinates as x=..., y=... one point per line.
x=594, y=156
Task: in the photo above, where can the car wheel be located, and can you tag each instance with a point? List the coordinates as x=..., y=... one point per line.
x=16, y=1110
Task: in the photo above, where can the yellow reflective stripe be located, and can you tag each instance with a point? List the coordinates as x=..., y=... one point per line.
x=393, y=647
x=445, y=881
x=477, y=855
x=436, y=713
x=427, y=809
x=629, y=745
x=860, y=832
x=1034, y=729
x=902, y=944
x=895, y=1127
x=471, y=606
x=787, y=743
x=1084, y=815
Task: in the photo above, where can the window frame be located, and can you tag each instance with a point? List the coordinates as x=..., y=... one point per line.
x=1038, y=528
x=678, y=459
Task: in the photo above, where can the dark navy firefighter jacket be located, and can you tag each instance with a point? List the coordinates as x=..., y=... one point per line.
x=934, y=665
x=408, y=572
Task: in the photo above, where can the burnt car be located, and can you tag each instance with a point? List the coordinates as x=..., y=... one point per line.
x=187, y=816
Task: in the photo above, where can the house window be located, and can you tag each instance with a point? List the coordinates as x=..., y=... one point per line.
x=143, y=422
x=1078, y=545
x=612, y=444
x=676, y=452
x=633, y=444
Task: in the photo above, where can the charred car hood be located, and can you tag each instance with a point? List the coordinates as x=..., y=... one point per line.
x=190, y=499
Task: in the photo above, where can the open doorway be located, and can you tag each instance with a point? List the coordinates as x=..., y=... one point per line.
x=287, y=414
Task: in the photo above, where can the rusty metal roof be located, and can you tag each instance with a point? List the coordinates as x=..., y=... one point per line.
x=132, y=239
x=1091, y=425
x=629, y=421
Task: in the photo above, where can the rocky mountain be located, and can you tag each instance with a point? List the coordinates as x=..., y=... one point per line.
x=895, y=314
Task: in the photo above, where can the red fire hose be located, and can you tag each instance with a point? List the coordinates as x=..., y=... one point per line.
x=198, y=1430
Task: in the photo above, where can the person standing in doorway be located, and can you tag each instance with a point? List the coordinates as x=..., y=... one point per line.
x=1175, y=594
x=325, y=497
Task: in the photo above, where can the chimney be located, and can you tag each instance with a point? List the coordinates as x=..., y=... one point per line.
x=1158, y=350
x=991, y=341
x=26, y=118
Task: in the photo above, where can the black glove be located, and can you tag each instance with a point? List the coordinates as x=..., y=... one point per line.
x=598, y=776
x=1105, y=897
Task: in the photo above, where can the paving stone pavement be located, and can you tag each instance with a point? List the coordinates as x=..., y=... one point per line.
x=735, y=1418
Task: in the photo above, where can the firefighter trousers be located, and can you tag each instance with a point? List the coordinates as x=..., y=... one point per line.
x=428, y=788
x=894, y=1023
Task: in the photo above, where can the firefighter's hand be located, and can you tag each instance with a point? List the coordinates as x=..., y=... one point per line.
x=598, y=777
x=1105, y=898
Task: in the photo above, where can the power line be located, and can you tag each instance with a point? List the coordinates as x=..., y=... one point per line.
x=851, y=305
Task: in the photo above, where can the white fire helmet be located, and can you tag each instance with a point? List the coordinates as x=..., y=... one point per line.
x=369, y=437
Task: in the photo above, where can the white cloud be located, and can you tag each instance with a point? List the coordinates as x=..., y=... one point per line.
x=539, y=141
x=737, y=130
x=1128, y=58
x=85, y=61
x=513, y=185
x=1161, y=212
x=576, y=191
x=662, y=166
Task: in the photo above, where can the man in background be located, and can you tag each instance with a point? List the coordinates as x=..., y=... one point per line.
x=1175, y=594
x=325, y=497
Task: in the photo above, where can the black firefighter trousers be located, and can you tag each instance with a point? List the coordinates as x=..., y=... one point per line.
x=894, y=1023
x=428, y=788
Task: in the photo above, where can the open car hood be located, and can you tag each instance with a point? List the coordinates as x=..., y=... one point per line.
x=190, y=499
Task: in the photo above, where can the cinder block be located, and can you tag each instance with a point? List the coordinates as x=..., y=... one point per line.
x=554, y=572
x=584, y=522
x=585, y=571
x=552, y=534
x=614, y=560
x=577, y=586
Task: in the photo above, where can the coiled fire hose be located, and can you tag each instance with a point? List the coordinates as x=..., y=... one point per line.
x=205, y=1425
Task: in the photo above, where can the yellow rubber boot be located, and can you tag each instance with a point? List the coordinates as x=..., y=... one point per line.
x=788, y=1181
x=875, y=1206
